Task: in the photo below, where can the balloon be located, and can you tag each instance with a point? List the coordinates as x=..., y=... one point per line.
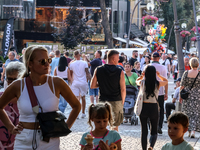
x=162, y=37
x=155, y=25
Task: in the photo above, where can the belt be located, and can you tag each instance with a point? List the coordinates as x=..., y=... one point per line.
x=65, y=78
x=31, y=125
x=149, y=102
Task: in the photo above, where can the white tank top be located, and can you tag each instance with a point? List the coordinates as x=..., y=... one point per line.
x=48, y=101
x=62, y=74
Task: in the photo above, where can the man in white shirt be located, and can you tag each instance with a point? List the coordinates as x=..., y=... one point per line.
x=163, y=91
x=165, y=62
x=79, y=71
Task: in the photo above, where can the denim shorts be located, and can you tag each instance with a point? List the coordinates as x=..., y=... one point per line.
x=94, y=92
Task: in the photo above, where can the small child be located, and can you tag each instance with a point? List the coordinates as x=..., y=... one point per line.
x=177, y=126
x=101, y=115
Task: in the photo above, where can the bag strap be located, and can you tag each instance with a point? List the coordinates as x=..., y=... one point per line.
x=32, y=95
x=102, y=138
x=128, y=79
x=194, y=81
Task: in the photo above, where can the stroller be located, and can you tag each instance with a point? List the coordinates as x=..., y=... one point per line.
x=131, y=96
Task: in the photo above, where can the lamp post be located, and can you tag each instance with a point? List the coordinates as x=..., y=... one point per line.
x=184, y=26
x=197, y=31
x=178, y=41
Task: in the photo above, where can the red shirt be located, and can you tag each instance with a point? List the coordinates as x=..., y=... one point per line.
x=187, y=67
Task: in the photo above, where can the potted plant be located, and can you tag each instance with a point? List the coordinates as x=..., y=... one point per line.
x=149, y=20
x=193, y=38
x=185, y=33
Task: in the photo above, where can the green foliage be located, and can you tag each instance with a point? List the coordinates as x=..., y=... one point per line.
x=184, y=11
x=74, y=29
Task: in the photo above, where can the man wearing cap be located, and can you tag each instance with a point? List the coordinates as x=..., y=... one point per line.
x=172, y=105
x=163, y=91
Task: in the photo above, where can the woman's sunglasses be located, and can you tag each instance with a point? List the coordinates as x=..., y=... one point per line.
x=44, y=61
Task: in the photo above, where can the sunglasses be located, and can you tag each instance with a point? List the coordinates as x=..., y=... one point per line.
x=44, y=61
x=10, y=80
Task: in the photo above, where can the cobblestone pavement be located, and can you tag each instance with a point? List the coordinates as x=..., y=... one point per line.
x=130, y=133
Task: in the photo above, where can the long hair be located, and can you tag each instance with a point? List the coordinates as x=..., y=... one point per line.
x=62, y=64
x=150, y=81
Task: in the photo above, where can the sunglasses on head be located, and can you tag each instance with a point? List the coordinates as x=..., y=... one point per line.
x=44, y=61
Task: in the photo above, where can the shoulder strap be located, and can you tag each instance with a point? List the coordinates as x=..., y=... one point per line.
x=102, y=138
x=32, y=95
x=128, y=79
x=194, y=81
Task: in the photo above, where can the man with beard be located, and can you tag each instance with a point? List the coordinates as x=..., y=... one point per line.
x=133, y=58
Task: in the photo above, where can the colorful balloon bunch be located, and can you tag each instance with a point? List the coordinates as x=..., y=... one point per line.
x=156, y=36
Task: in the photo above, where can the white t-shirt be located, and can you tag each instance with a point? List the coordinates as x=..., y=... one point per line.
x=163, y=72
x=166, y=63
x=175, y=63
x=176, y=94
x=78, y=68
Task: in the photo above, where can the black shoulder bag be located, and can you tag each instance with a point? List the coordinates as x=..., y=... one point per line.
x=130, y=89
x=52, y=124
x=183, y=93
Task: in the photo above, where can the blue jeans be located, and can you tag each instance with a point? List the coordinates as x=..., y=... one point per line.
x=62, y=102
x=94, y=92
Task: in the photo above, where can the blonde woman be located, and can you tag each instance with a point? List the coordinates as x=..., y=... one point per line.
x=191, y=105
x=47, y=89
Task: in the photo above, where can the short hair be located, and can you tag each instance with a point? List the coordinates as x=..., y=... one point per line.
x=57, y=52
x=52, y=53
x=135, y=51
x=100, y=53
x=194, y=63
x=122, y=53
x=121, y=59
x=13, y=53
x=15, y=67
x=76, y=52
x=179, y=117
x=127, y=64
x=111, y=53
x=67, y=53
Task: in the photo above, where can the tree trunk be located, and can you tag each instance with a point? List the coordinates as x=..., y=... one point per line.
x=106, y=26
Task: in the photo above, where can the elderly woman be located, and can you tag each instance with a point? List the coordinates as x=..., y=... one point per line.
x=191, y=105
x=13, y=71
x=47, y=89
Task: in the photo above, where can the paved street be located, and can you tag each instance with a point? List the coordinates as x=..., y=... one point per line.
x=130, y=133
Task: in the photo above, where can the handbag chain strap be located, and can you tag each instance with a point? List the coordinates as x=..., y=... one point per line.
x=128, y=79
x=194, y=81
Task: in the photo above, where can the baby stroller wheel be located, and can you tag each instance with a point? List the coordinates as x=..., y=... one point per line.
x=136, y=121
x=132, y=120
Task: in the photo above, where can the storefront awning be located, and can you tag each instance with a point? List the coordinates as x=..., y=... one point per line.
x=136, y=32
x=130, y=42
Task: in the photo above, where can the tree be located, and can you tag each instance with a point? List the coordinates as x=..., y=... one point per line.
x=106, y=25
x=74, y=29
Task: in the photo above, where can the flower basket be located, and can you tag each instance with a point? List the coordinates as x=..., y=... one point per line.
x=149, y=20
x=194, y=29
x=193, y=38
x=185, y=33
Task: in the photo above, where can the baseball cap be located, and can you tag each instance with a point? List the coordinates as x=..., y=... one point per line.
x=156, y=54
x=179, y=79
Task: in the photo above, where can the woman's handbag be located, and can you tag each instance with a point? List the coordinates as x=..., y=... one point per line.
x=183, y=93
x=139, y=101
x=52, y=124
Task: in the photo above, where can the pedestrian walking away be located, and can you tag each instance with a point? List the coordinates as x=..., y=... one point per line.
x=150, y=107
x=47, y=90
x=111, y=82
x=163, y=91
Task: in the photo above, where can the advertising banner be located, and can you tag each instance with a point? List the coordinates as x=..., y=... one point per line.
x=7, y=36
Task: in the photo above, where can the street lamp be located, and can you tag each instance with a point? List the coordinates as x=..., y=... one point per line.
x=184, y=26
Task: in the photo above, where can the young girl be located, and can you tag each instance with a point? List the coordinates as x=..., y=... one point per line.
x=101, y=115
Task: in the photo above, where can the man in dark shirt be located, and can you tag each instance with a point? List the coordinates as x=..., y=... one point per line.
x=111, y=82
x=133, y=58
x=66, y=54
x=93, y=65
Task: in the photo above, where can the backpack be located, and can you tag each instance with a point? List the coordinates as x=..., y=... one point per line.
x=164, y=62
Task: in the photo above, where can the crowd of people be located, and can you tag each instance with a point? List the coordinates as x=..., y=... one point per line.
x=59, y=80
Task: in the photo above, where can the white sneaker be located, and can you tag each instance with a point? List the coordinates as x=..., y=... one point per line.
x=83, y=115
